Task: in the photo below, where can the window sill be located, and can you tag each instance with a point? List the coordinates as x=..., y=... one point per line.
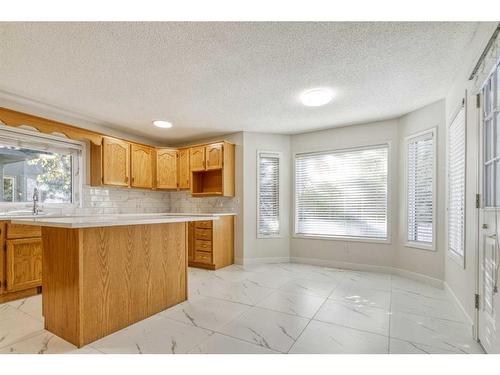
x=270, y=237
x=343, y=239
x=416, y=245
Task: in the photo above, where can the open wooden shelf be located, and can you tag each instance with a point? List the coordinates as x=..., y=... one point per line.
x=206, y=183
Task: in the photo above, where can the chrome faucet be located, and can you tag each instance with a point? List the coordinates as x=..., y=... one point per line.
x=36, y=209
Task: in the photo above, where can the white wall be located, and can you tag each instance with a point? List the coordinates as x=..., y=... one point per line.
x=426, y=262
x=342, y=252
x=265, y=249
x=462, y=280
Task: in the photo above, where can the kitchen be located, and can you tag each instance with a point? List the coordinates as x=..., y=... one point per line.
x=240, y=193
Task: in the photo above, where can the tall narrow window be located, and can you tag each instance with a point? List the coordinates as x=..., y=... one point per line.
x=456, y=184
x=268, y=194
x=342, y=193
x=420, y=175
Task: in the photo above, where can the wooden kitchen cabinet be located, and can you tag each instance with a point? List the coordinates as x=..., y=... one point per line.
x=197, y=158
x=213, y=155
x=211, y=243
x=166, y=168
x=115, y=162
x=20, y=261
x=183, y=169
x=217, y=176
x=141, y=166
x=23, y=263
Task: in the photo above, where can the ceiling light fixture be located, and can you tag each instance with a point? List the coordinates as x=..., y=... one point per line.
x=162, y=124
x=316, y=97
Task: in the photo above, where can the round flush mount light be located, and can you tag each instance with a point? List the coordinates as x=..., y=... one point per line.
x=162, y=124
x=316, y=97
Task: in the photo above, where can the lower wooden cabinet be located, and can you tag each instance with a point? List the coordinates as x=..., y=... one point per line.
x=20, y=261
x=23, y=264
x=211, y=243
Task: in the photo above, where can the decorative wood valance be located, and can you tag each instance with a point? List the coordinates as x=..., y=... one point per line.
x=43, y=125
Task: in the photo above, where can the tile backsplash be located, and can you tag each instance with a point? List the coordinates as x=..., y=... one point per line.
x=98, y=200
x=182, y=201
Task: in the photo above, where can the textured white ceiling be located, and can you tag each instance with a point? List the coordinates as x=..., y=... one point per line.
x=213, y=78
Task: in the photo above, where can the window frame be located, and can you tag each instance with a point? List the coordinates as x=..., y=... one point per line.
x=407, y=139
x=79, y=175
x=279, y=155
x=388, y=239
x=459, y=259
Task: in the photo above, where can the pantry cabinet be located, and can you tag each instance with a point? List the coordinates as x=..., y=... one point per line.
x=141, y=166
x=166, y=168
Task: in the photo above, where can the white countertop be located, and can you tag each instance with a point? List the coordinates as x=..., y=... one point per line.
x=92, y=221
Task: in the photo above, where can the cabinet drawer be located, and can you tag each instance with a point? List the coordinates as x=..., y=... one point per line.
x=201, y=245
x=203, y=224
x=22, y=231
x=203, y=234
x=202, y=257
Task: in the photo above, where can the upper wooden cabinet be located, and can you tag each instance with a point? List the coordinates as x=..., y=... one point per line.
x=206, y=169
x=197, y=158
x=141, y=161
x=213, y=155
x=183, y=172
x=115, y=162
x=215, y=176
x=166, y=168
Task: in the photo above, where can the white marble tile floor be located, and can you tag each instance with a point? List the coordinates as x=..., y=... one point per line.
x=272, y=309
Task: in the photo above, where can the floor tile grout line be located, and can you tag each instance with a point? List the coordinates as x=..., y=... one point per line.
x=307, y=325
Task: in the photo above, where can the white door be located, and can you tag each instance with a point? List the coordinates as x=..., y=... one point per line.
x=489, y=216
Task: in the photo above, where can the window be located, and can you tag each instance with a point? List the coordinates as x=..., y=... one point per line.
x=491, y=137
x=456, y=184
x=50, y=163
x=420, y=176
x=268, y=194
x=342, y=193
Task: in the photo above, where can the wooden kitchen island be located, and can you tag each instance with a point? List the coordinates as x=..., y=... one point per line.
x=101, y=274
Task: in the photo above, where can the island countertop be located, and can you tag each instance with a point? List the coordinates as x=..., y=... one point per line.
x=93, y=221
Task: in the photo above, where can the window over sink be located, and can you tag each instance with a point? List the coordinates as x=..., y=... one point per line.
x=30, y=160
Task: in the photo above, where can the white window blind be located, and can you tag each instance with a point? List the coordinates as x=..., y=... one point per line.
x=342, y=193
x=456, y=184
x=268, y=194
x=420, y=188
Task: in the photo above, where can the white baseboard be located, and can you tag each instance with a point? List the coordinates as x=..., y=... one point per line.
x=419, y=277
x=469, y=320
x=371, y=268
x=265, y=260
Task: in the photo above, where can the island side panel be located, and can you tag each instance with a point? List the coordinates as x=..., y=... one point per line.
x=129, y=274
x=61, y=280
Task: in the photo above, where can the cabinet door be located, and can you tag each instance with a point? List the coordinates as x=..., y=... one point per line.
x=141, y=166
x=2, y=257
x=184, y=174
x=214, y=156
x=166, y=169
x=197, y=158
x=23, y=263
x=115, y=162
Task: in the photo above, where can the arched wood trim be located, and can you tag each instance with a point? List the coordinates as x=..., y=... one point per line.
x=43, y=125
